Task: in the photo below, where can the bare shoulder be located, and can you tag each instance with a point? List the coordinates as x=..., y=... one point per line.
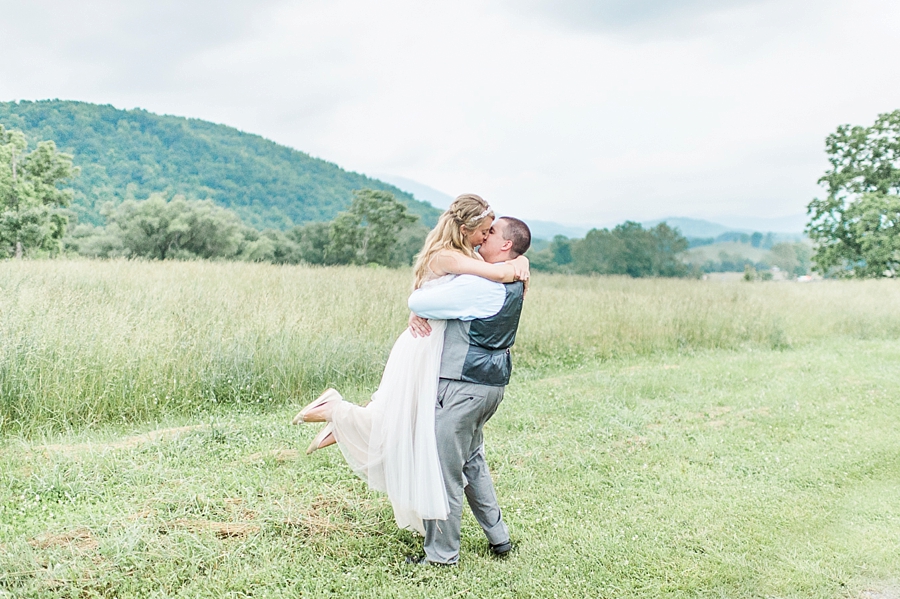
x=456, y=254
x=451, y=262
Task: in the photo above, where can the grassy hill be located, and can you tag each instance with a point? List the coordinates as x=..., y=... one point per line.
x=132, y=153
x=691, y=227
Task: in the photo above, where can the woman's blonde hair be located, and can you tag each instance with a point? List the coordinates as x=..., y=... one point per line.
x=467, y=210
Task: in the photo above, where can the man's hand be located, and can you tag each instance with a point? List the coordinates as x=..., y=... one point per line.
x=418, y=326
x=520, y=264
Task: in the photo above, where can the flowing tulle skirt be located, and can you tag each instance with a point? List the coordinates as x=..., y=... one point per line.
x=390, y=443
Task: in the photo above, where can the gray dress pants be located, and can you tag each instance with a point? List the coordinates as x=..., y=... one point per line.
x=460, y=413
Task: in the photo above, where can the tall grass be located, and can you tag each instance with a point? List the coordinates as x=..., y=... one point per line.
x=569, y=319
x=83, y=342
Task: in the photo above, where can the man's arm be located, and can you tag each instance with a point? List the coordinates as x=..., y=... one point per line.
x=466, y=297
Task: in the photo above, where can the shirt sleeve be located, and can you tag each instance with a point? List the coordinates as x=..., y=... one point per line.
x=465, y=297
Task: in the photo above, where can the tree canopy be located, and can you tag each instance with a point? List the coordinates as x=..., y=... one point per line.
x=368, y=232
x=32, y=195
x=158, y=229
x=856, y=227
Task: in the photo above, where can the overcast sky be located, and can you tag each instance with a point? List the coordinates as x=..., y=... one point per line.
x=574, y=111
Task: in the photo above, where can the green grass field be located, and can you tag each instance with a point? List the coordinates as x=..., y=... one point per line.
x=659, y=438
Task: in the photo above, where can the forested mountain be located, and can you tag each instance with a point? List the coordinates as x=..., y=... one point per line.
x=133, y=153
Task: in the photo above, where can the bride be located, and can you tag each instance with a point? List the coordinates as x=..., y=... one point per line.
x=390, y=442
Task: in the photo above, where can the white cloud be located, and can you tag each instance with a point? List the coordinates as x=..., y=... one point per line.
x=633, y=18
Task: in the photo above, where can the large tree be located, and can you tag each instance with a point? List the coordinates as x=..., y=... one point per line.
x=32, y=199
x=856, y=227
x=369, y=231
x=158, y=229
x=631, y=250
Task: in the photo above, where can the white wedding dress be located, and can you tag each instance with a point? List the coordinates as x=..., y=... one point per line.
x=390, y=443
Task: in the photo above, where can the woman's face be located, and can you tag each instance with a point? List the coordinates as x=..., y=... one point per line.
x=477, y=236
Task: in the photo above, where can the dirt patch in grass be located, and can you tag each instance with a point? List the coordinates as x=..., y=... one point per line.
x=280, y=455
x=229, y=511
x=324, y=516
x=735, y=418
x=223, y=530
x=165, y=434
x=79, y=538
x=639, y=368
x=631, y=444
x=142, y=514
x=237, y=509
x=714, y=417
x=887, y=591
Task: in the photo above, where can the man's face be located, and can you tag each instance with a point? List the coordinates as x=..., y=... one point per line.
x=492, y=247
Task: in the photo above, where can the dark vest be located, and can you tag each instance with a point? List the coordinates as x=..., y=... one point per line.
x=477, y=351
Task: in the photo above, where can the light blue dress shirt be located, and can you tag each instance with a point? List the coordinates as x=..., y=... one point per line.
x=465, y=297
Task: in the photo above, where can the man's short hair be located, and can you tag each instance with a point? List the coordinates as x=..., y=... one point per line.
x=517, y=232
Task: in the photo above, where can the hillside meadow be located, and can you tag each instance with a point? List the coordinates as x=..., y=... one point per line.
x=673, y=438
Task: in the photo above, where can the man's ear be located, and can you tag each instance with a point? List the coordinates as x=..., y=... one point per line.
x=507, y=245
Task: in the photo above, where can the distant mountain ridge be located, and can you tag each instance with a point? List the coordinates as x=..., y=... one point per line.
x=133, y=153
x=420, y=191
x=696, y=227
x=540, y=229
x=689, y=227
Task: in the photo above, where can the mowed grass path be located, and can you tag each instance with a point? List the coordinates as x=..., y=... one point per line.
x=713, y=473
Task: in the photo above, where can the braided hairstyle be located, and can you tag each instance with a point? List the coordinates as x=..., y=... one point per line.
x=467, y=210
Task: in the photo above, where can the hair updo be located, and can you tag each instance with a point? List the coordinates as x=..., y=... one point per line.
x=467, y=210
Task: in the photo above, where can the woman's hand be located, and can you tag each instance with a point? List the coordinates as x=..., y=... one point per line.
x=520, y=265
x=418, y=326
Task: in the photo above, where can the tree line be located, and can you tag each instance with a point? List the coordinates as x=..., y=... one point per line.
x=377, y=229
x=756, y=239
x=627, y=249
x=794, y=258
x=855, y=228
x=35, y=196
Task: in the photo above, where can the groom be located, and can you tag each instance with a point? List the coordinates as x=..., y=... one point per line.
x=482, y=318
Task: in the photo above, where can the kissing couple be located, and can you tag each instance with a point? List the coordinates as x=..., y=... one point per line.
x=420, y=439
